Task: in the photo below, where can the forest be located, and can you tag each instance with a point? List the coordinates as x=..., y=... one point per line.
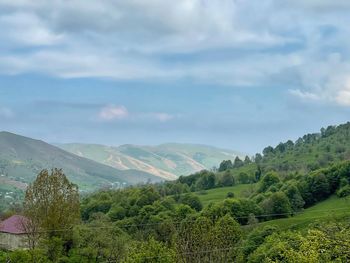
x=169, y=222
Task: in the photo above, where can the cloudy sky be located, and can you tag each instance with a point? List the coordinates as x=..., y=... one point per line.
x=232, y=73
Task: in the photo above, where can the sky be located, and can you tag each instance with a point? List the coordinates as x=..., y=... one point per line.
x=231, y=73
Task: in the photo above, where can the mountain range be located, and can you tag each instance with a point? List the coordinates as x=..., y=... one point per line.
x=167, y=161
x=95, y=166
x=22, y=158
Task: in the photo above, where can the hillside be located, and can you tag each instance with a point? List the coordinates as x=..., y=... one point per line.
x=21, y=159
x=331, y=209
x=167, y=160
x=308, y=153
x=287, y=199
x=311, y=151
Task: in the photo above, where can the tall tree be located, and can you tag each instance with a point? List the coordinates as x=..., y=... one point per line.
x=225, y=165
x=52, y=205
x=238, y=162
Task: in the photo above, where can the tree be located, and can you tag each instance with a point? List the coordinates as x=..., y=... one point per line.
x=215, y=241
x=243, y=178
x=192, y=201
x=318, y=186
x=258, y=173
x=268, y=180
x=268, y=150
x=240, y=209
x=151, y=251
x=52, y=205
x=226, y=233
x=108, y=244
x=247, y=160
x=148, y=195
x=296, y=200
x=226, y=179
x=225, y=165
x=117, y=212
x=206, y=181
x=258, y=158
x=281, y=147
x=330, y=243
x=237, y=163
x=255, y=238
x=276, y=248
x=277, y=205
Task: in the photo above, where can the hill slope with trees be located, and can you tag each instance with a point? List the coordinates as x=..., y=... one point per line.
x=277, y=213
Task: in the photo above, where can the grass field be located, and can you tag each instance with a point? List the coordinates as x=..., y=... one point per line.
x=219, y=194
x=332, y=209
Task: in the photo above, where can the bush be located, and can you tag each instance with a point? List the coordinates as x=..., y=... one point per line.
x=192, y=201
x=344, y=191
x=117, y=213
x=151, y=251
x=230, y=195
x=268, y=180
x=277, y=205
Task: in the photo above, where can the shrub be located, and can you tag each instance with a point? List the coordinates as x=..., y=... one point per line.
x=230, y=195
x=344, y=191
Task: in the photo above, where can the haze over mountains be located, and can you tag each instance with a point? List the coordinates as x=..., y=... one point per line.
x=167, y=161
x=95, y=166
x=22, y=158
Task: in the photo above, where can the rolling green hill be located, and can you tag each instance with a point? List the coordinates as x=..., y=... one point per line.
x=22, y=158
x=167, y=160
x=219, y=194
x=330, y=209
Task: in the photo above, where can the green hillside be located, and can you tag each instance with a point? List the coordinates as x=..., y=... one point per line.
x=219, y=194
x=287, y=205
x=167, y=160
x=331, y=209
x=309, y=152
x=22, y=158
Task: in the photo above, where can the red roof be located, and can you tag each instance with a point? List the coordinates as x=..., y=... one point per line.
x=13, y=225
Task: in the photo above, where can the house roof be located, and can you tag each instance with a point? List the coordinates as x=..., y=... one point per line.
x=13, y=225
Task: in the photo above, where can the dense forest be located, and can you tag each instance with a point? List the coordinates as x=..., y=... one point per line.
x=167, y=222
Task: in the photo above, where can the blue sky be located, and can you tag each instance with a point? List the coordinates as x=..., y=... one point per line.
x=235, y=74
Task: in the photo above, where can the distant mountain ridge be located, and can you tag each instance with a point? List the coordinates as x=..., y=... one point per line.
x=22, y=158
x=167, y=161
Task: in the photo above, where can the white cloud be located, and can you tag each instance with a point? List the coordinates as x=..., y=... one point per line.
x=113, y=112
x=342, y=96
x=27, y=29
x=6, y=113
x=162, y=117
x=237, y=43
x=304, y=94
x=124, y=39
x=324, y=79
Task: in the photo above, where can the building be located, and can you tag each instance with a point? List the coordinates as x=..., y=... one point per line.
x=12, y=233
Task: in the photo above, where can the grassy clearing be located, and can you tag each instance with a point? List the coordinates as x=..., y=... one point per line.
x=219, y=194
x=332, y=209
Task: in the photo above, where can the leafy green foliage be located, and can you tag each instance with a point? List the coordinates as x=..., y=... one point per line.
x=344, y=191
x=328, y=243
x=202, y=240
x=151, y=251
